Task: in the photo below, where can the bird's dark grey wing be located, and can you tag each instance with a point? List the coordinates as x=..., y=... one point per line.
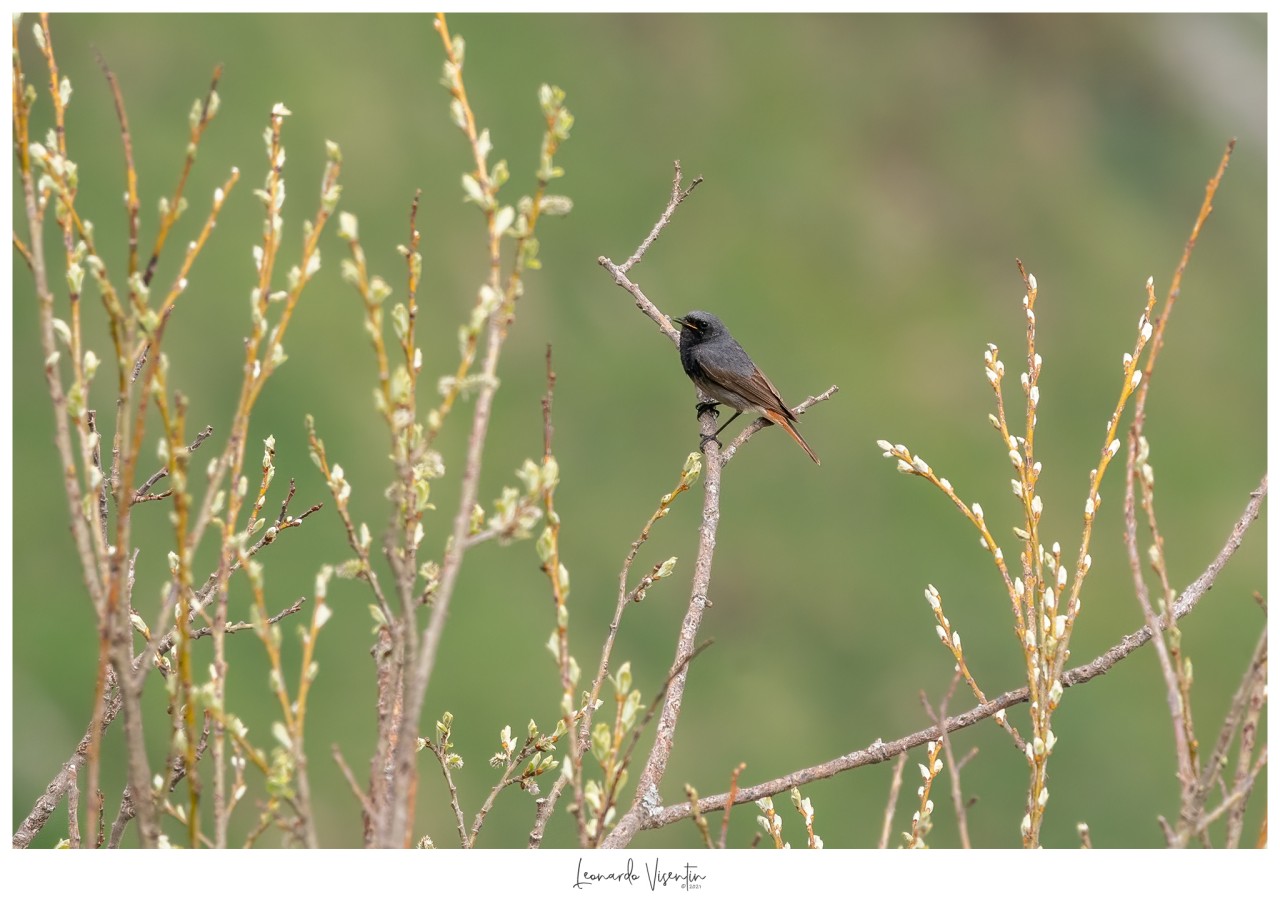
x=757, y=390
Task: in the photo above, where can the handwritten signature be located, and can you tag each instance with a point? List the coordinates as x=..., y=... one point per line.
x=685, y=877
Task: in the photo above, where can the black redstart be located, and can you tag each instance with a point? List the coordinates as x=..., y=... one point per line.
x=719, y=367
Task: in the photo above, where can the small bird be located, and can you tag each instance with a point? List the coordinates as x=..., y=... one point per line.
x=719, y=367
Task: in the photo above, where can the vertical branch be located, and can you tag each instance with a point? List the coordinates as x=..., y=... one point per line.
x=264, y=352
x=549, y=549
x=647, y=795
x=578, y=746
x=52, y=160
x=180, y=568
x=172, y=207
x=494, y=313
x=307, y=671
x=415, y=464
x=1175, y=695
x=1175, y=283
x=82, y=532
x=115, y=642
x=1173, y=666
x=957, y=794
x=131, y=173
x=1253, y=687
x=895, y=786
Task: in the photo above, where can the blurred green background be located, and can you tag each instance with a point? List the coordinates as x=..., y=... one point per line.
x=870, y=180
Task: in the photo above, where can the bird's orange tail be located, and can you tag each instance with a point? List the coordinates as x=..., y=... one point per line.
x=778, y=419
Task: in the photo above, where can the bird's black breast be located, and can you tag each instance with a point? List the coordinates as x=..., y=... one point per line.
x=688, y=360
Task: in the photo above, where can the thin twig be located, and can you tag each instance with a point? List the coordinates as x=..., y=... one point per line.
x=699, y=821
x=891, y=803
x=1250, y=692
x=1255, y=709
x=957, y=794
x=733, y=791
x=1173, y=695
x=678, y=195
x=144, y=491
x=619, y=272
x=167, y=643
x=131, y=173
x=351, y=781
x=1175, y=284
x=439, y=751
x=1239, y=795
x=760, y=423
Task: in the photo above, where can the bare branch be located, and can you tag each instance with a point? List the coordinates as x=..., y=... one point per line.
x=619, y=272
x=144, y=491
x=750, y=430
x=351, y=781
x=891, y=803
x=678, y=196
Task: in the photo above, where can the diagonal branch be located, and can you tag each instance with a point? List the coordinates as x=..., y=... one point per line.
x=879, y=751
x=678, y=195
